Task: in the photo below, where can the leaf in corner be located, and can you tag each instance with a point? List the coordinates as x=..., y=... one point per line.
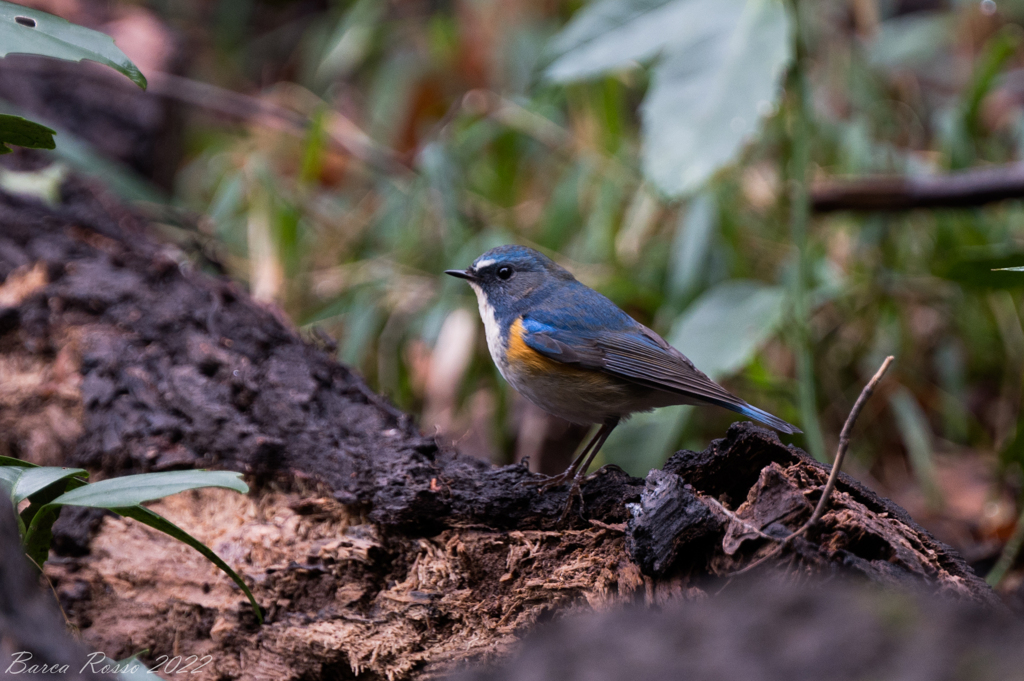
x=24, y=133
x=29, y=31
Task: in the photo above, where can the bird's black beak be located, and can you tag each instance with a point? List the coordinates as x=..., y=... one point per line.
x=462, y=274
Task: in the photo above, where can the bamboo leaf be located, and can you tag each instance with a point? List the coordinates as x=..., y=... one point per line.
x=158, y=522
x=132, y=490
x=34, y=480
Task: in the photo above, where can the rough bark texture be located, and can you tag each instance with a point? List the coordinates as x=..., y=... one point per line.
x=373, y=551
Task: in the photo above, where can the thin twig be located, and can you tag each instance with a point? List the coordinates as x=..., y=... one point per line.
x=844, y=444
x=844, y=439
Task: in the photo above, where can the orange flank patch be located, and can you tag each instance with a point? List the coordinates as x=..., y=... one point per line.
x=521, y=357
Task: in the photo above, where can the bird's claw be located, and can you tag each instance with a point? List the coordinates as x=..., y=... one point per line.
x=574, y=491
x=545, y=482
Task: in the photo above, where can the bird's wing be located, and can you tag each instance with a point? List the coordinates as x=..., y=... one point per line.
x=639, y=355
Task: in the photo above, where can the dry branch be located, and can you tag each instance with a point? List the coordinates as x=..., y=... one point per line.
x=963, y=189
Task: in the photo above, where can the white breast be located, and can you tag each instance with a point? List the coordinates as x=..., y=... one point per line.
x=491, y=330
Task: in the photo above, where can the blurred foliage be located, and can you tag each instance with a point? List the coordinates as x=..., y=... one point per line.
x=439, y=129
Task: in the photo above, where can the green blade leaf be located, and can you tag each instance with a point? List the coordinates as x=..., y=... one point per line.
x=29, y=31
x=24, y=133
x=691, y=246
x=34, y=480
x=11, y=461
x=158, y=522
x=9, y=476
x=707, y=98
x=44, y=496
x=36, y=539
x=132, y=490
x=122, y=496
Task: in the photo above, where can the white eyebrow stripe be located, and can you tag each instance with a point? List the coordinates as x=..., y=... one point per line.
x=483, y=263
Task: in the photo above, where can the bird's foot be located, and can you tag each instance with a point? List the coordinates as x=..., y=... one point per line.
x=575, y=491
x=545, y=482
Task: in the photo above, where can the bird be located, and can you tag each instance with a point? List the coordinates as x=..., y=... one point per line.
x=575, y=354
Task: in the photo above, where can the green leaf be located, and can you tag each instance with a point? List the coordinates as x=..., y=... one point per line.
x=34, y=480
x=123, y=496
x=11, y=470
x=29, y=31
x=19, y=463
x=917, y=438
x=132, y=490
x=20, y=480
x=117, y=493
x=612, y=34
x=707, y=98
x=40, y=499
x=719, y=72
x=8, y=479
x=37, y=537
x=158, y=522
x=24, y=133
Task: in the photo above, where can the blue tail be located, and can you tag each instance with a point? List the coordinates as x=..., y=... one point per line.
x=764, y=417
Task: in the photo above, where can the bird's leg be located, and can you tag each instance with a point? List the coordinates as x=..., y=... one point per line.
x=580, y=473
x=549, y=481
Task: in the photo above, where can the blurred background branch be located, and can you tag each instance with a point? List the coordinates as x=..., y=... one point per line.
x=965, y=189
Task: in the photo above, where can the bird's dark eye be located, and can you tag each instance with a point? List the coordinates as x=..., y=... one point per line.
x=504, y=272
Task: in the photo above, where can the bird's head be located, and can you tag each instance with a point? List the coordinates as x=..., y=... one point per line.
x=506, y=274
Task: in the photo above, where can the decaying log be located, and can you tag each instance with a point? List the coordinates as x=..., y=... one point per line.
x=371, y=548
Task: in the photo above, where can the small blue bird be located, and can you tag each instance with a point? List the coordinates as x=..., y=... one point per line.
x=575, y=354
